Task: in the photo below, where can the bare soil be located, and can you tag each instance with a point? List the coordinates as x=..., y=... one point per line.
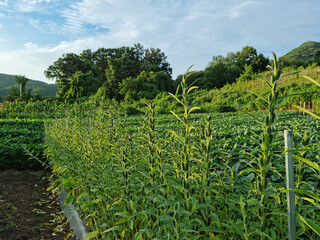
x=27, y=210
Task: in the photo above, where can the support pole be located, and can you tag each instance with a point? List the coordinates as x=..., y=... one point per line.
x=288, y=139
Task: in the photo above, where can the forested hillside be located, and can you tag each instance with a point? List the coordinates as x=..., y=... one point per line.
x=303, y=55
x=38, y=87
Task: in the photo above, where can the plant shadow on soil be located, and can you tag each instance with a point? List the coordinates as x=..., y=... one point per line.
x=27, y=210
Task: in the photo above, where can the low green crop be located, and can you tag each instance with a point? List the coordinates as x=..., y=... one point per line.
x=17, y=138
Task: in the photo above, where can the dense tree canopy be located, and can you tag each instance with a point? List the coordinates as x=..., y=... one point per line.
x=105, y=71
x=316, y=57
x=222, y=70
x=132, y=73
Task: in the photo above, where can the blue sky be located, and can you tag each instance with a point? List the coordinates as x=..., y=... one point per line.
x=35, y=33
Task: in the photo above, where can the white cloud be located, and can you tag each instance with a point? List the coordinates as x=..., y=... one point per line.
x=74, y=23
x=188, y=32
x=29, y=63
x=236, y=10
x=4, y=3
x=35, y=1
x=45, y=26
x=30, y=5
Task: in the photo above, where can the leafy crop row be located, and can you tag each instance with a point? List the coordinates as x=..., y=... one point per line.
x=17, y=137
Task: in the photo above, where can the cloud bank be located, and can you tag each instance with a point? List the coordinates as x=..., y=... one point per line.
x=35, y=33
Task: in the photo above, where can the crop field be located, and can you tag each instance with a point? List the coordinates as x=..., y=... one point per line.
x=187, y=176
x=158, y=177
x=182, y=175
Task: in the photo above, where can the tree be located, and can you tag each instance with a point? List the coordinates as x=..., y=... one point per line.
x=143, y=86
x=108, y=67
x=247, y=74
x=316, y=57
x=65, y=67
x=81, y=85
x=13, y=94
x=222, y=70
x=19, y=91
x=155, y=61
x=219, y=72
x=21, y=82
x=248, y=56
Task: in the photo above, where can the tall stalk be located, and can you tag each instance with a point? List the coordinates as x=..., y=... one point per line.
x=184, y=164
x=265, y=159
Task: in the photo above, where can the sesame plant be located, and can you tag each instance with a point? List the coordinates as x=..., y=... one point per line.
x=308, y=193
x=181, y=176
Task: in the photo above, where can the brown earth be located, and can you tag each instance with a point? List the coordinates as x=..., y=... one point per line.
x=27, y=210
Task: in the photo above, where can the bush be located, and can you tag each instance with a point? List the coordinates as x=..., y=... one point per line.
x=223, y=108
x=131, y=110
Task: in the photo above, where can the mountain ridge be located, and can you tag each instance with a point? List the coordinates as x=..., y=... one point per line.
x=304, y=52
x=8, y=80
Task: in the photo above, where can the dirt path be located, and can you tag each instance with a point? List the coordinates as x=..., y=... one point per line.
x=27, y=210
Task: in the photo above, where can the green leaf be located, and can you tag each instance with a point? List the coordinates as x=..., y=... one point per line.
x=176, y=99
x=192, y=109
x=311, y=164
x=191, y=88
x=68, y=183
x=177, y=116
x=308, y=193
x=310, y=79
x=307, y=111
x=247, y=170
x=311, y=224
x=138, y=234
x=259, y=96
x=177, y=91
x=116, y=228
x=289, y=74
x=69, y=200
x=91, y=235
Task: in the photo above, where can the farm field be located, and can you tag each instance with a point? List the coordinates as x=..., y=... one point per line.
x=27, y=210
x=177, y=177
x=183, y=175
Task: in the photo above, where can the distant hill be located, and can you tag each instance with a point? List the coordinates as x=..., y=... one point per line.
x=7, y=81
x=304, y=52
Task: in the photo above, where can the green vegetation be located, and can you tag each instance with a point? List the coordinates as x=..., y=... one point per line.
x=109, y=73
x=182, y=175
x=18, y=136
x=303, y=55
x=239, y=96
x=19, y=91
x=44, y=89
x=188, y=175
x=156, y=176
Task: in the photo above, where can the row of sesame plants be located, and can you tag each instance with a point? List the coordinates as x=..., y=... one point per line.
x=186, y=176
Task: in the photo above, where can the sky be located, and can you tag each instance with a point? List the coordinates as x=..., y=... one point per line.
x=35, y=33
